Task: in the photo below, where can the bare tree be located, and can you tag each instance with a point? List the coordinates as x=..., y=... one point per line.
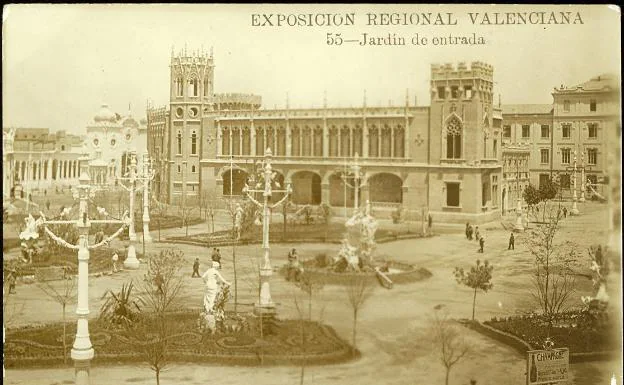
x=308, y=286
x=160, y=209
x=448, y=340
x=359, y=288
x=65, y=295
x=553, y=280
x=185, y=212
x=155, y=328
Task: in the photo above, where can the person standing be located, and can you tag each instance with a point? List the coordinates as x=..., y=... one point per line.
x=565, y=212
x=114, y=260
x=477, y=235
x=467, y=230
x=481, y=244
x=511, y=242
x=196, y=269
x=216, y=257
x=12, y=277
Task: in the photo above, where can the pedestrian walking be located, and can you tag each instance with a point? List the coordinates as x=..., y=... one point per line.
x=11, y=279
x=511, y=242
x=481, y=244
x=565, y=212
x=467, y=230
x=477, y=234
x=196, y=269
x=114, y=260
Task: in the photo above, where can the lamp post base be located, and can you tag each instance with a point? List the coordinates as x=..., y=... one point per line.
x=82, y=371
x=131, y=261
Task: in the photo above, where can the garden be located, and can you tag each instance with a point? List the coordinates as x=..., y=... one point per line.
x=43, y=345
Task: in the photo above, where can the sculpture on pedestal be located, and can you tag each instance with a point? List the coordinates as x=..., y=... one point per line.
x=359, y=243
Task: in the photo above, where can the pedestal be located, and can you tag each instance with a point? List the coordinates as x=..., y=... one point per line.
x=574, y=210
x=82, y=371
x=131, y=261
x=265, y=305
x=519, y=227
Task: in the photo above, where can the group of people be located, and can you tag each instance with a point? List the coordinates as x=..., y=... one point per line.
x=215, y=256
x=477, y=235
x=481, y=239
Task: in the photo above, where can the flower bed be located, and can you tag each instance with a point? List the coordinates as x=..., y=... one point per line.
x=585, y=343
x=99, y=261
x=313, y=233
x=407, y=273
x=42, y=346
x=10, y=243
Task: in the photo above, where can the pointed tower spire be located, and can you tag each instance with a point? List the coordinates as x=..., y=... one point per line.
x=364, y=103
x=499, y=100
x=287, y=100
x=172, y=48
x=184, y=49
x=211, y=52
x=407, y=97
x=324, y=98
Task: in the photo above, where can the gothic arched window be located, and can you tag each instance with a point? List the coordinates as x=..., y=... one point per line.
x=453, y=138
x=193, y=87
x=193, y=143
x=179, y=85
x=179, y=138
x=206, y=88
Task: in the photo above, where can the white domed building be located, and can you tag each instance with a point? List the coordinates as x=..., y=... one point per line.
x=110, y=137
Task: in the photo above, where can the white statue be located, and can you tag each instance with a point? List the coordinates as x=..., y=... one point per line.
x=30, y=232
x=212, y=279
x=238, y=220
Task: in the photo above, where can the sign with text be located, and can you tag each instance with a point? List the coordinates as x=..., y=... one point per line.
x=548, y=366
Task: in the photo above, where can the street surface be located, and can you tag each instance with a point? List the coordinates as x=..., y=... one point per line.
x=392, y=327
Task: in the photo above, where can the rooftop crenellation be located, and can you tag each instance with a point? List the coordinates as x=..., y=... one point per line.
x=477, y=69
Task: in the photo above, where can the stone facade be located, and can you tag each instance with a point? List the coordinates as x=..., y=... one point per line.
x=443, y=159
x=110, y=137
x=578, y=124
x=35, y=160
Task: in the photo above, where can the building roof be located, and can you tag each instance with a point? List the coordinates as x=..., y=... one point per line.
x=510, y=109
x=599, y=82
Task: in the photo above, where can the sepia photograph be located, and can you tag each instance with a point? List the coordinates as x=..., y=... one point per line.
x=311, y=194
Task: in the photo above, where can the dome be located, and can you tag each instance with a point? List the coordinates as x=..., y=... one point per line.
x=144, y=122
x=130, y=122
x=105, y=115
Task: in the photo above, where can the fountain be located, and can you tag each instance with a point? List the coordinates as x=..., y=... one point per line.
x=356, y=257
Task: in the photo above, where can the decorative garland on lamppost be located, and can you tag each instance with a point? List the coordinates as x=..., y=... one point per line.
x=82, y=351
x=264, y=185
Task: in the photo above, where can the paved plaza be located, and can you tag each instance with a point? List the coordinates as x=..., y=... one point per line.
x=392, y=331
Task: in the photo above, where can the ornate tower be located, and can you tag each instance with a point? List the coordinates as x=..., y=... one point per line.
x=461, y=112
x=464, y=142
x=191, y=100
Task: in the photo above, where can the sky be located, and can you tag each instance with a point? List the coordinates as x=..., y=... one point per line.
x=61, y=62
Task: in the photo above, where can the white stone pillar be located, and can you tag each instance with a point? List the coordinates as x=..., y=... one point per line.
x=147, y=237
x=82, y=350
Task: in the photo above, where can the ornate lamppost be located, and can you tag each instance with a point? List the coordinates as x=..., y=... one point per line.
x=132, y=177
x=518, y=227
x=582, y=198
x=574, y=210
x=265, y=304
x=355, y=173
x=82, y=351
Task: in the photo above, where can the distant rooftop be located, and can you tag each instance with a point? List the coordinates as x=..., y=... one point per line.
x=527, y=109
x=598, y=83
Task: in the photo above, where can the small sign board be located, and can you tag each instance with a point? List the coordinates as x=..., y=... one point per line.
x=548, y=366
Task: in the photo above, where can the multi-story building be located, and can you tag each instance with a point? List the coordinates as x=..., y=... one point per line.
x=37, y=160
x=574, y=126
x=110, y=137
x=583, y=117
x=443, y=158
